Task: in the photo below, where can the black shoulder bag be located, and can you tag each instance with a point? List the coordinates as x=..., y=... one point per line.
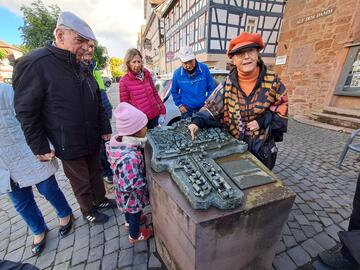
x=268, y=151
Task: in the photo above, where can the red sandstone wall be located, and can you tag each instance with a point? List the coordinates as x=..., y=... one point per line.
x=315, y=50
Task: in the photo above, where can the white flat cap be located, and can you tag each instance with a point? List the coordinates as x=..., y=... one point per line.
x=73, y=22
x=186, y=54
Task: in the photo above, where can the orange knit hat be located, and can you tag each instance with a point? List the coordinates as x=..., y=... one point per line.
x=245, y=40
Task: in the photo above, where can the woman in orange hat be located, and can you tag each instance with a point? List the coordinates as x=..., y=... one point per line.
x=252, y=104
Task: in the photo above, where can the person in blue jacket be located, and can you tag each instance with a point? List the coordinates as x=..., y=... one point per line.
x=192, y=83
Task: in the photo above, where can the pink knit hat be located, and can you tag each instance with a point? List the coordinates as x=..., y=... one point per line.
x=129, y=119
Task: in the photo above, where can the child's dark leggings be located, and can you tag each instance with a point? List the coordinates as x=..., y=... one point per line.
x=134, y=223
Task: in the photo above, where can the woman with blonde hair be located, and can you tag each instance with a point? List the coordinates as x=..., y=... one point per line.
x=137, y=88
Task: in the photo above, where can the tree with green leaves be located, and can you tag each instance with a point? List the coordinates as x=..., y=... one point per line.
x=39, y=23
x=3, y=54
x=116, y=67
x=100, y=56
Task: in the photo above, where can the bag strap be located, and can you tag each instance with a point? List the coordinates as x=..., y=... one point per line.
x=267, y=134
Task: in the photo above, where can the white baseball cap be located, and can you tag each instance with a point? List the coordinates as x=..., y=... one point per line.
x=186, y=54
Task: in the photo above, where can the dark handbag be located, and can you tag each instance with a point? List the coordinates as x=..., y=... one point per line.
x=268, y=151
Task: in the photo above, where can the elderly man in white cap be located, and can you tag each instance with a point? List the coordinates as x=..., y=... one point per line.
x=58, y=101
x=191, y=84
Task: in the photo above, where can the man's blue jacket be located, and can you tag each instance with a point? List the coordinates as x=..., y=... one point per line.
x=192, y=90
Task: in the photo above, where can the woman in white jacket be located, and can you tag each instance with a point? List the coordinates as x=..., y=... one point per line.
x=20, y=170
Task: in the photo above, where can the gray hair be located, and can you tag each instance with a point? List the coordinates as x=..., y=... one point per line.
x=62, y=27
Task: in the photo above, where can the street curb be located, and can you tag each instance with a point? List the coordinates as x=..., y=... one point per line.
x=306, y=120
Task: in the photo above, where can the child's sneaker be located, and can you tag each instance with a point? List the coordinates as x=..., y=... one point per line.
x=143, y=219
x=144, y=234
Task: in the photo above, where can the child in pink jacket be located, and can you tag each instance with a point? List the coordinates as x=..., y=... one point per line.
x=127, y=163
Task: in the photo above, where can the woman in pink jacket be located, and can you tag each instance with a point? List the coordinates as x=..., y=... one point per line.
x=138, y=89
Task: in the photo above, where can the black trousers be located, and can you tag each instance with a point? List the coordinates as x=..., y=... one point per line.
x=354, y=223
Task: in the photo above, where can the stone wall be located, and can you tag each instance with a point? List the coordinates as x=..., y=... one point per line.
x=314, y=37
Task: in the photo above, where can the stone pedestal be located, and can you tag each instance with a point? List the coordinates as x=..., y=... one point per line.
x=242, y=238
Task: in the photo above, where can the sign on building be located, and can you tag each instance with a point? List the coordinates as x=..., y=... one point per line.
x=315, y=16
x=170, y=55
x=280, y=60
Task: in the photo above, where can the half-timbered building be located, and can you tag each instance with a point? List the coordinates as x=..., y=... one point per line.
x=209, y=25
x=151, y=39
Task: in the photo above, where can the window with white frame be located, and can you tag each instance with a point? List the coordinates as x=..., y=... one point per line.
x=180, y=10
x=187, y=34
x=176, y=13
x=168, y=45
x=183, y=34
x=183, y=7
x=192, y=33
x=176, y=41
x=196, y=29
x=202, y=27
x=171, y=45
x=180, y=38
x=349, y=81
x=166, y=23
x=171, y=18
x=251, y=24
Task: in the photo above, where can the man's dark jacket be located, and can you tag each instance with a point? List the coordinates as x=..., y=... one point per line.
x=57, y=99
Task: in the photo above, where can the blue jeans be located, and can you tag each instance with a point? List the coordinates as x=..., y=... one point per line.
x=134, y=223
x=24, y=203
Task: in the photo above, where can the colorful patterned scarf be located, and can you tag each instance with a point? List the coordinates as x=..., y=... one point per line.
x=240, y=109
x=140, y=76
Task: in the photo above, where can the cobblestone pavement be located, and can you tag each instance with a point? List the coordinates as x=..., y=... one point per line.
x=305, y=163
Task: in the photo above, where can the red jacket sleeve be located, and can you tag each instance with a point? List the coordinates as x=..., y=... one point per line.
x=124, y=92
x=158, y=99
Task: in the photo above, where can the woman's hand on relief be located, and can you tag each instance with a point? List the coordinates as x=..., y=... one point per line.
x=192, y=128
x=252, y=126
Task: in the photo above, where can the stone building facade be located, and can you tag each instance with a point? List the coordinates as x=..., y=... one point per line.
x=318, y=55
